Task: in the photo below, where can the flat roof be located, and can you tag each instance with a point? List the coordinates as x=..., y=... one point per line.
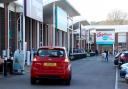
x=6, y=1
x=118, y=28
x=64, y=4
x=82, y=22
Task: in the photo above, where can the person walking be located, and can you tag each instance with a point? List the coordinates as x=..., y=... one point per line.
x=106, y=58
x=103, y=55
x=96, y=52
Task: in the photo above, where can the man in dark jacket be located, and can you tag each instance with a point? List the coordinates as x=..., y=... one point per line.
x=106, y=55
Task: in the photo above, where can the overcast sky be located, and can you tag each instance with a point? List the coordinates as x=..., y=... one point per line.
x=97, y=10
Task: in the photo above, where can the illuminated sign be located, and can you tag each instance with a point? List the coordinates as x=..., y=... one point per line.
x=105, y=37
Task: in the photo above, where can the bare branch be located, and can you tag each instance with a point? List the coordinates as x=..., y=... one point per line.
x=116, y=17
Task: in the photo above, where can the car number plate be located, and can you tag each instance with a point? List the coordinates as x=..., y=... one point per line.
x=49, y=64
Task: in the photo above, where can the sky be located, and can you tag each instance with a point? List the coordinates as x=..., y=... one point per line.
x=97, y=10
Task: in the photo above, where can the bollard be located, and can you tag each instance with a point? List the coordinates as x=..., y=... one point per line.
x=11, y=65
x=1, y=64
x=5, y=67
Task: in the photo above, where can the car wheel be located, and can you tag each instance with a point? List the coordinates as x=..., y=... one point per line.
x=122, y=73
x=126, y=81
x=119, y=65
x=33, y=81
x=67, y=82
x=115, y=62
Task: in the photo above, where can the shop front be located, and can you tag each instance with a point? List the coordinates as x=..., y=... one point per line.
x=105, y=40
x=58, y=16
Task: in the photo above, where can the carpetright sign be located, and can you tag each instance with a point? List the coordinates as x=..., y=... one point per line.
x=105, y=36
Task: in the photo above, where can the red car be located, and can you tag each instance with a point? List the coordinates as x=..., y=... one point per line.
x=123, y=58
x=51, y=63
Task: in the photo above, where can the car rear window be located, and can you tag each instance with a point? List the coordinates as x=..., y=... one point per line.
x=51, y=52
x=125, y=54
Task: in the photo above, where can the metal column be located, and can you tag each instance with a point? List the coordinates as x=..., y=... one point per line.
x=31, y=34
x=8, y=50
x=113, y=48
x=72, y=37
x=54, y=21
x=38, y=35
x=6, y=28
x=24, y=44
x=68, y=35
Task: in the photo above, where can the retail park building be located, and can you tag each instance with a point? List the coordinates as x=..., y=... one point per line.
x=107, y=37
x=30, y=24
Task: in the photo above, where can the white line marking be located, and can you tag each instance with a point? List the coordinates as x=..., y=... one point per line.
x=116, y=81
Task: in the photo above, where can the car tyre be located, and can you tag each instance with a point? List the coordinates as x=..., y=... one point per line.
x=67, y=82
x=33, y=81
x=115, y=62
x=119, y=65
x=126, y=81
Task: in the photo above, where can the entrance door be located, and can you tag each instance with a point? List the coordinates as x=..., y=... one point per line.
x=106, y=47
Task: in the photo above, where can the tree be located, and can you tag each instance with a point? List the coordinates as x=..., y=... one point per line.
x=116, y=17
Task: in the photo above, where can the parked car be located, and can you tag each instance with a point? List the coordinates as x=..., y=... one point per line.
x=124, y=71
x=51, y=63
x=78, y=53
x=123, y=58
x=117, y=58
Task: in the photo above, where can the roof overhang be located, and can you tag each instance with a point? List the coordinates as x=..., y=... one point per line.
x=64, y=4
x=6, y=1
x=82, y=22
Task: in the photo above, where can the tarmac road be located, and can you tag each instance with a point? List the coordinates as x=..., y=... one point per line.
x=88, y=73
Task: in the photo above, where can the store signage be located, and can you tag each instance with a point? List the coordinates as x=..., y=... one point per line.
x=105, y=37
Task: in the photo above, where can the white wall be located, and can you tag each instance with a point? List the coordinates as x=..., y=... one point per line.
x=122, y=37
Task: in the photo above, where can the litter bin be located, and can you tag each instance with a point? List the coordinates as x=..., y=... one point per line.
x=10, y=65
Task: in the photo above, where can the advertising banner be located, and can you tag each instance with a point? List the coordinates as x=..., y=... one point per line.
x=105, y=36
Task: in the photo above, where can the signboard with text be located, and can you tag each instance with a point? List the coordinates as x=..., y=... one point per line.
x=105, y=36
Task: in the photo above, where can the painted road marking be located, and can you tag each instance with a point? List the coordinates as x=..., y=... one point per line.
x=116, y=80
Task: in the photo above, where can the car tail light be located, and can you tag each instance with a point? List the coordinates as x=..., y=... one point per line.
x=66, y=60
x=34, y=59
